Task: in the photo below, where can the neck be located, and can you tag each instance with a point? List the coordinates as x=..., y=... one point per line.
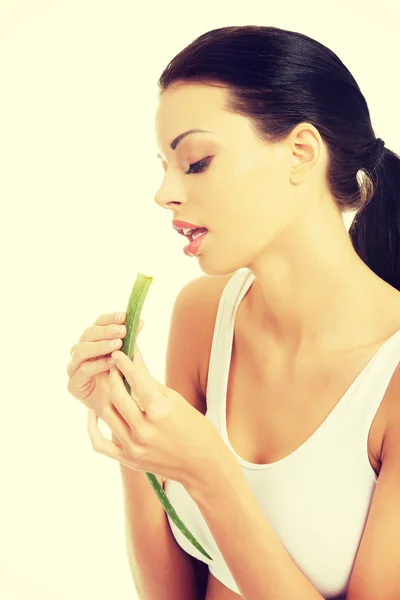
x=314, y=292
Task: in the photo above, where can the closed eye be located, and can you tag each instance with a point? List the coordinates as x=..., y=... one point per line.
x=199, y=166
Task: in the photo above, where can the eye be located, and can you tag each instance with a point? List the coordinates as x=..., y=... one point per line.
x=199, y=166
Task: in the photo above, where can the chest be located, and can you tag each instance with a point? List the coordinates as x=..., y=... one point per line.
x=269, y=416
x=270, y=413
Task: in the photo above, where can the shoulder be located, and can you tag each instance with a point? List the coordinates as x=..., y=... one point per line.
x=377, y=564
x=391, y=436
x=201, y=297
x=205, y=290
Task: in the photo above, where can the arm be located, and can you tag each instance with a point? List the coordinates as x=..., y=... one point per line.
x=376, y=571
x=241, y=529
x=161, y=570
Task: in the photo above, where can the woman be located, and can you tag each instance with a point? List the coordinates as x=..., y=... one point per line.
x=302, y=397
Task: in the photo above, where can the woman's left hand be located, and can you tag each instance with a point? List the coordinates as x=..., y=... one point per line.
x=170, y=438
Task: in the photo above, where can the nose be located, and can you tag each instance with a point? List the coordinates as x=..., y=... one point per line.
x=165, y=202
x=172, y=192
x=168, y=200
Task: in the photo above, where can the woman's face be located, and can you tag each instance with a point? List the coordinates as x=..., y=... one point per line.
x=242, y=193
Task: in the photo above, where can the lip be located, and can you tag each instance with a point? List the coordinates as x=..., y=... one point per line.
x=185, y=225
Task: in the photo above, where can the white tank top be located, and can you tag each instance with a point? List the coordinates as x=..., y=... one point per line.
x=318, y=497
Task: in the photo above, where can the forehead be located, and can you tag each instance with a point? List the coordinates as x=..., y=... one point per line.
x=187, y=107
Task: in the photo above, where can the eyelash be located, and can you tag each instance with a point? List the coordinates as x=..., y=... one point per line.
x=199, y=166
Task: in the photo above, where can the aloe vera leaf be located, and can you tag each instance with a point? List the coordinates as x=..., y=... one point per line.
x=135, y=305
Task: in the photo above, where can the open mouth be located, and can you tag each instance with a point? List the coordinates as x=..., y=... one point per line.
x=197, y=233
x=193, y=234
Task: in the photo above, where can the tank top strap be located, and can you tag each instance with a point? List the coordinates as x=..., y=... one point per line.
x=363, y=398
x=371, y=388
x=221, y=347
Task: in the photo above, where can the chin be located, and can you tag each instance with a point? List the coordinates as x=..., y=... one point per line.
x=218, y=268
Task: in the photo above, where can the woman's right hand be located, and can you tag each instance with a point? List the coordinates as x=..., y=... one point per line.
x=88, y=372
x=88, y=369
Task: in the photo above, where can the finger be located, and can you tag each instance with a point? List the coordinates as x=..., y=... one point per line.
x=132, y=412
x=99, y=442
x=138, y=363
x=108, y=318
x=121, y=376
x=143, y=386
x=119, y=427
x=110, y=448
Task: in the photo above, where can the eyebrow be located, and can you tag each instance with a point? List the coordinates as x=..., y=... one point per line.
x=180, y=137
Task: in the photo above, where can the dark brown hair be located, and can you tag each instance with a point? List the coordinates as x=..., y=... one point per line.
x=277, y=79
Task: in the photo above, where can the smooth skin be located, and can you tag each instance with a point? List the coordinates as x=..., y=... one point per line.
x=88, y=370
x=268, y=209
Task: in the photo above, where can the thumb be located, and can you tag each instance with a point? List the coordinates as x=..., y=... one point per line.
x=138, y=360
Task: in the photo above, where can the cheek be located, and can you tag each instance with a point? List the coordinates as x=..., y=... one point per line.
x=258, y=188
x=263, y=203
x=245, y=191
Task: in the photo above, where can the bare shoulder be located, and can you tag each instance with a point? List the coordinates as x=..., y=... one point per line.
x=201, y=298
x=197, y=306
x=205, y=290
x=392, y=421
x=209, y=291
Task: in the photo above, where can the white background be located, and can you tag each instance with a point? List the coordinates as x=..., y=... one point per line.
x=78, y=175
